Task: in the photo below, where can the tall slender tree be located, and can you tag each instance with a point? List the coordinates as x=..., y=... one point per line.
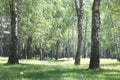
x=94, y=58
x=79, y=10
x=1, y=38
x=13, y=59
x=85, y=39
x=19, y=29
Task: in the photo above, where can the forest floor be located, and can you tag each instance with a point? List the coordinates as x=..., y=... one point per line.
x=63, y=69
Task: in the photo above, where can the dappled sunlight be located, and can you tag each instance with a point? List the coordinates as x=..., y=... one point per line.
x=59, y=39
x=108, y=61
x=63, y=62
x=3, y=60
x=110, y=64
x=61, y=69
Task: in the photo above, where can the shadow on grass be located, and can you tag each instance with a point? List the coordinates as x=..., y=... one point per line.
x=44, y=72
x=111, y=65
x=71, y=74
x=58, y=60
x=52, y=72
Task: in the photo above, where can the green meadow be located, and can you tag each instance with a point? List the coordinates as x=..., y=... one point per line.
x=63, y=69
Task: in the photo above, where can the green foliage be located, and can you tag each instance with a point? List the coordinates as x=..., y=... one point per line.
x=62, y=69
x=47, y=21
x=109, y=25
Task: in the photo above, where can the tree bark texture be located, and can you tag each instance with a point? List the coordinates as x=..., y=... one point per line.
x=29, y=42
x=85, y=40
x=79, y=10
x=19, y=29
x=41, y=51
x=1, y=38
x=94, y=58
x=13, y=59
x=57, y=49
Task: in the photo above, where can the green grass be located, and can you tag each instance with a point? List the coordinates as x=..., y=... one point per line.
x=62, y=69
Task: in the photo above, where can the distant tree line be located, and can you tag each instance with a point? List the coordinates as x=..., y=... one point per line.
x=45, y=29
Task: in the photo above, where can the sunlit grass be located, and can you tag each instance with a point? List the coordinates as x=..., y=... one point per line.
x=63, y=69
